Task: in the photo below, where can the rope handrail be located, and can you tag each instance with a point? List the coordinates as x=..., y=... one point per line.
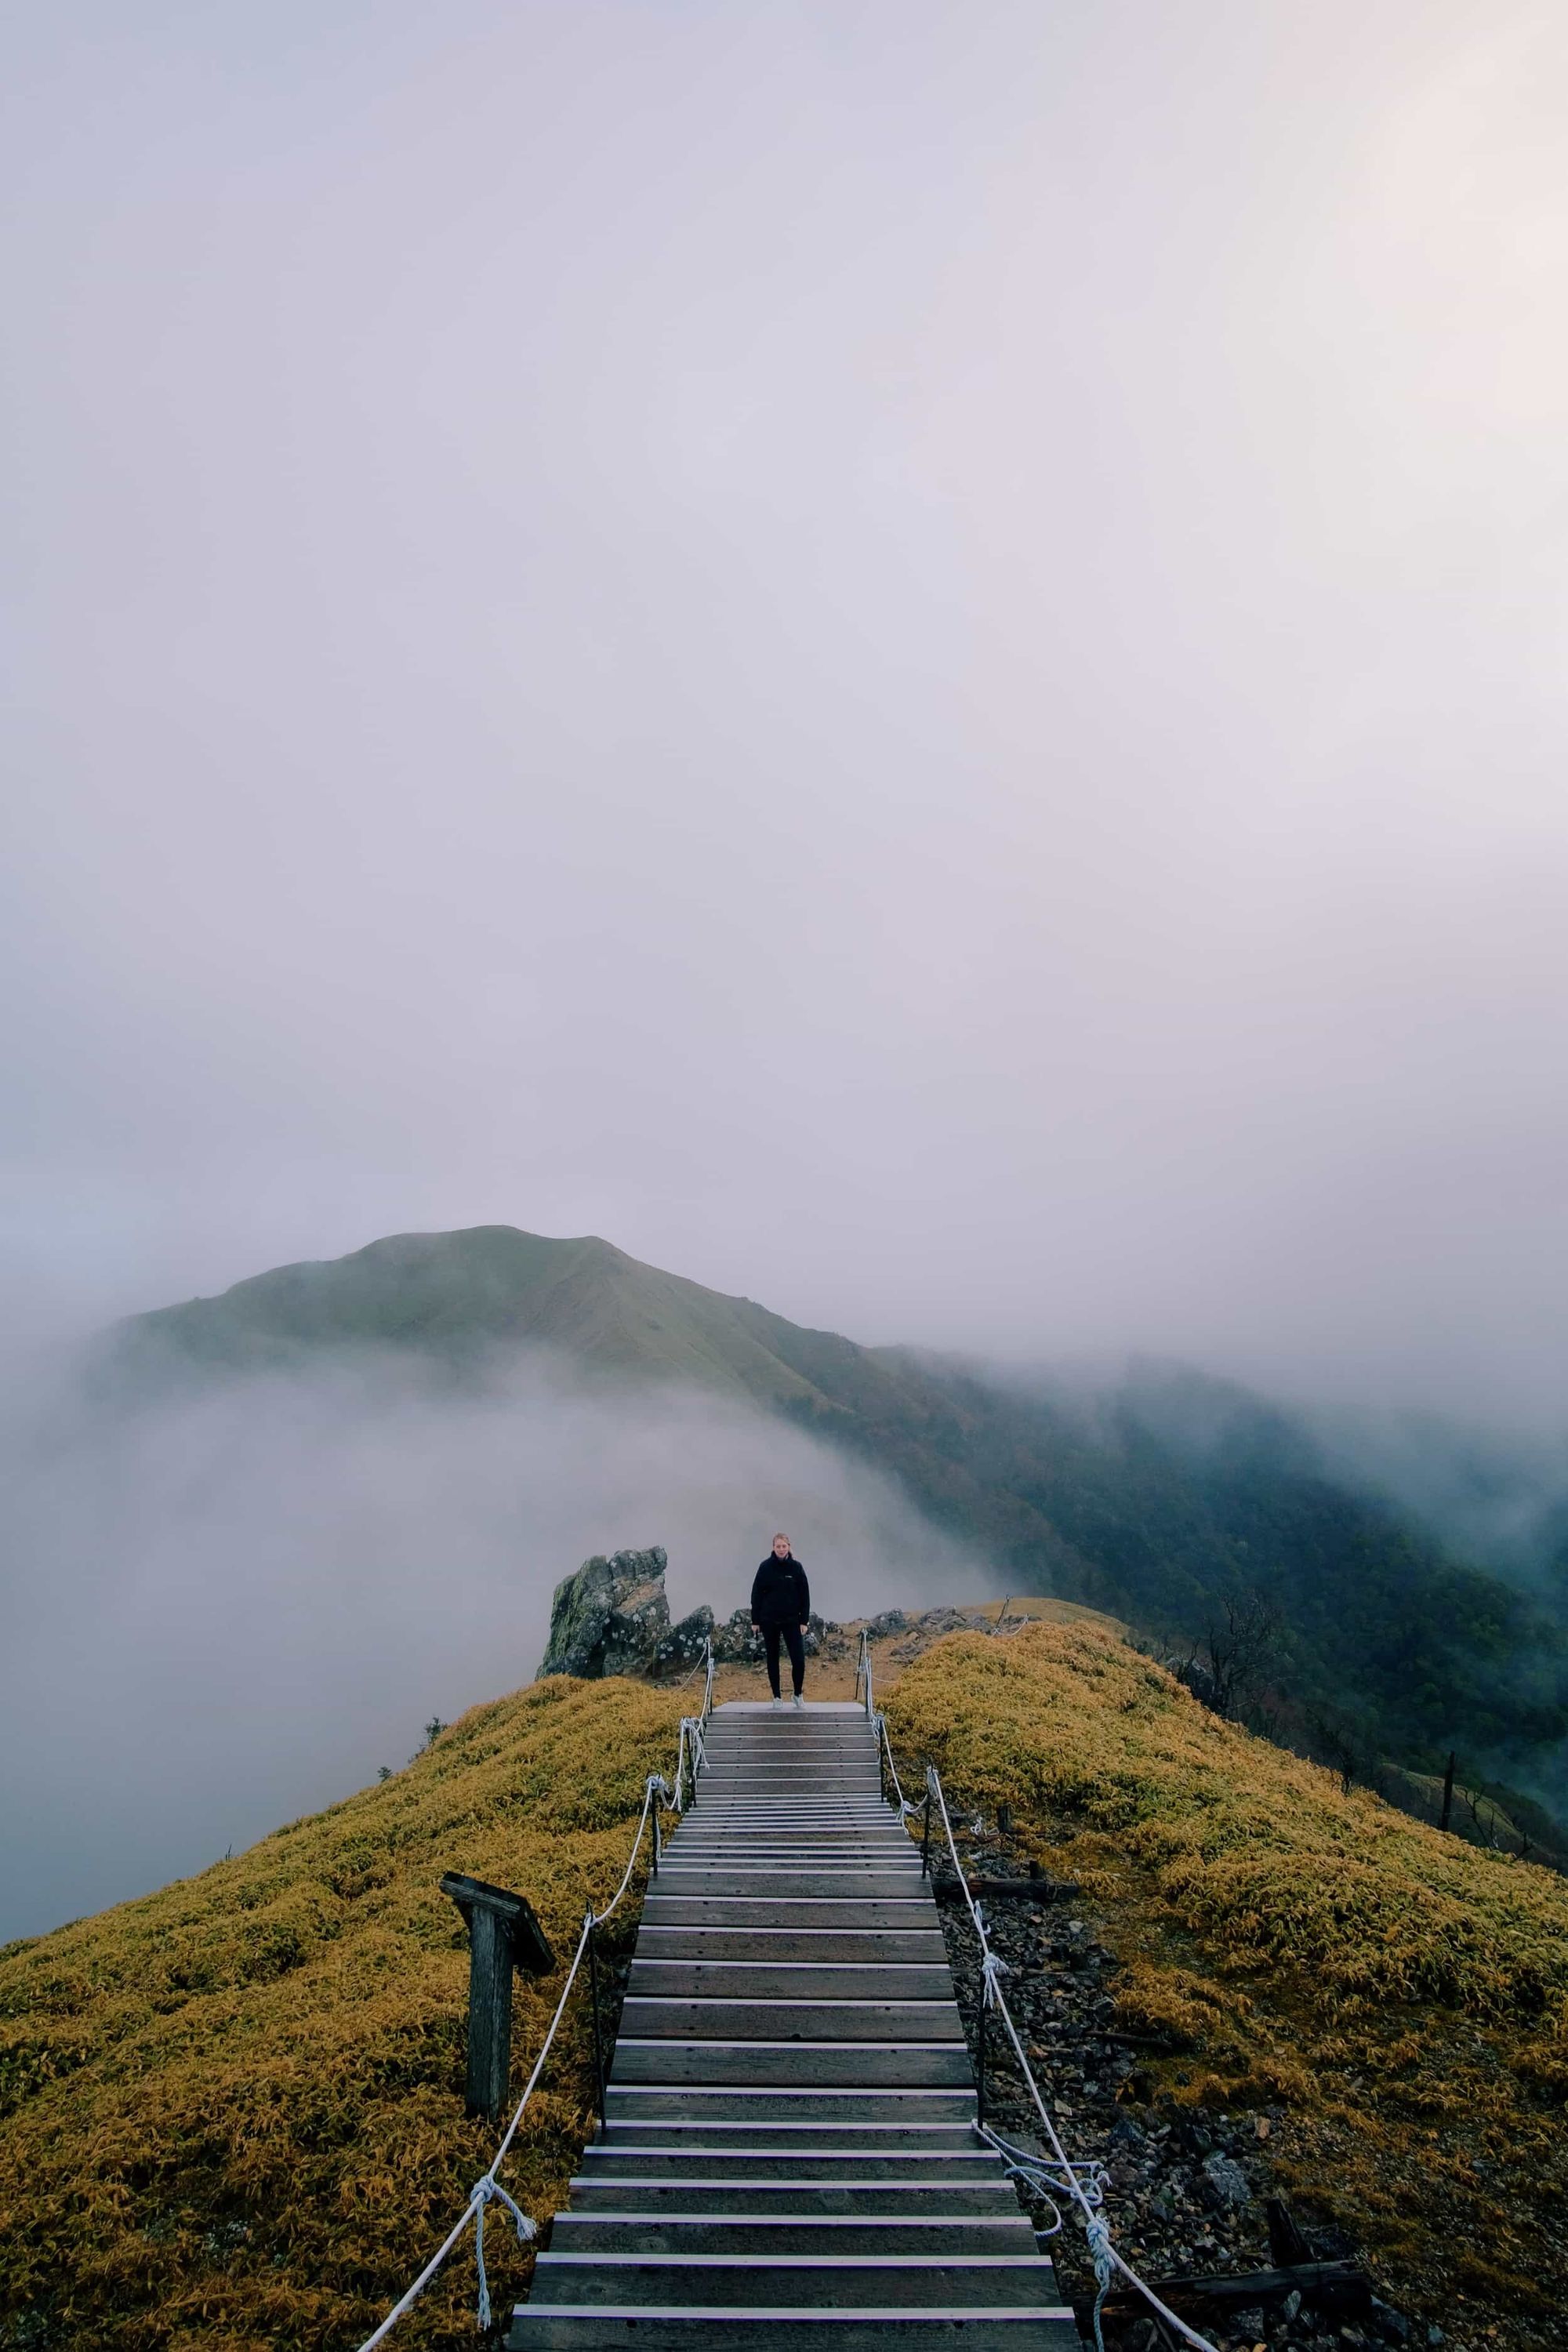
x=691, y=1757
x=1060, y=2172
x=880, y=1727
x=704, y=1667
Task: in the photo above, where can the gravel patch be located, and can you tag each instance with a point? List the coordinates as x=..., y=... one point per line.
x=1186, y=2195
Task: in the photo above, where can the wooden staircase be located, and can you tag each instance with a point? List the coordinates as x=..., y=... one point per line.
x=788, y=2155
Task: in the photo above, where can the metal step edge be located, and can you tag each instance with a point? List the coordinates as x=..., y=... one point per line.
x=801, y=2181
x=590, y=2259
x=770, y=2001
x=799, y=2091
x=694, y=2314
x=605, y=2220
x=668, y=2042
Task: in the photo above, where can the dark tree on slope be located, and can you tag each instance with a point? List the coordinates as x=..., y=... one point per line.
x=1232, y=1662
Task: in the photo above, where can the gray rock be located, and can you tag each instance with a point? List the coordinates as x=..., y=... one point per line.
x=1227, y=2184
x=610, y=1618
x=737, y=1641
x=682, y=1645
x=1249, y=2323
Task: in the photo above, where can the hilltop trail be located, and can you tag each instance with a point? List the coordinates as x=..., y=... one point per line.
x=788, y=2135
x=1152, y=1498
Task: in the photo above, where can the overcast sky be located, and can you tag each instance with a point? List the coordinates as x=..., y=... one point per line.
x=909, y=656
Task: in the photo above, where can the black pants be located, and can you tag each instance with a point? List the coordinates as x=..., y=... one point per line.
x=795, y=1643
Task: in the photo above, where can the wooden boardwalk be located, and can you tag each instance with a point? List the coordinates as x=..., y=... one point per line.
x=788, y=2156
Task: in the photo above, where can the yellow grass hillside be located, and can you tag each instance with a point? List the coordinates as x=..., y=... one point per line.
x=231, y=2113
x=1403, y=1996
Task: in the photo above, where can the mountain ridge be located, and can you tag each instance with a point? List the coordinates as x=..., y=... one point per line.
x=1156, y=1501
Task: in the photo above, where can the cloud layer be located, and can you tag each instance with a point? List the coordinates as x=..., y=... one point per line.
x=229, y=1612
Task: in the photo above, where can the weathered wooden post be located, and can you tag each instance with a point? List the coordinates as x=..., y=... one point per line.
x=1448, y=1791
x=503, y=1934
x=979, y=2024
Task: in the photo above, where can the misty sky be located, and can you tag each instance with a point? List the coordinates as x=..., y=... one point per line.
x=909, y=656
x=906, y=656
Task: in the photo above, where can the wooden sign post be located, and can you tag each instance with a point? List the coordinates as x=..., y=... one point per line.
x=503, y=1934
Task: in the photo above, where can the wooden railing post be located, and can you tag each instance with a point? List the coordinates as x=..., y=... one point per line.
x=980, y=2057
x=594, y=1999
x=503, y=1934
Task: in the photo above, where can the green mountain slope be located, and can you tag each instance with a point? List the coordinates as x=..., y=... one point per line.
x=1152, y=1501
x=458, y=1297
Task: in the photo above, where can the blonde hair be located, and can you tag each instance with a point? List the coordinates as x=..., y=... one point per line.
x=780, y=1536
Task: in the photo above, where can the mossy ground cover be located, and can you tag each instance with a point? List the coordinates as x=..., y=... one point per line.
x=231, y=2113
x=1395, y=1998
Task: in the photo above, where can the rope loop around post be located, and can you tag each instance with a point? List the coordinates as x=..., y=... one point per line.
x=486, y=2186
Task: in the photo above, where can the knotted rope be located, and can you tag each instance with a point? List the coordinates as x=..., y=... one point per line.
x=479, y=2196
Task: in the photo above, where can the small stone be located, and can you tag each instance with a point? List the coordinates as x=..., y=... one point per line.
x=1292, y=2306
x=1250, y=2321
x=1227, y=2184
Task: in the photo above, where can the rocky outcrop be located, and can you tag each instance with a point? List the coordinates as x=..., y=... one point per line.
x=612, y=1618
x=737, y=1642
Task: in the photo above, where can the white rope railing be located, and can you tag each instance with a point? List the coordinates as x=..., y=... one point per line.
x=1081, y=2179
x=704, y=1667
x=879, y=1728
x=691, y=1757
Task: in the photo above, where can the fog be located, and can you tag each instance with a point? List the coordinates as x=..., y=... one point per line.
x=232, y=1609
x=907, y=657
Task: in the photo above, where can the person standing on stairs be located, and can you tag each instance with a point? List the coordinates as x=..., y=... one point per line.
x=781, y=1603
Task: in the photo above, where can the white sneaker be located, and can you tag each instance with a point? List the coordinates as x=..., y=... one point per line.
x=778, y=1702
x=799, y=1701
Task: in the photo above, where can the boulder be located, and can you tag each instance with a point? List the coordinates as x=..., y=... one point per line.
x=611, y=1617
x=737, y=1641
x=682, y=1646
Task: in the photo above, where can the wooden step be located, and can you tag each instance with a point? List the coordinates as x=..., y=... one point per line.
x=799, y=2194
x=788, y=2328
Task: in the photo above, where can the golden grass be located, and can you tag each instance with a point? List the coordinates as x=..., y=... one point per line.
x=231, y=2113
x=1400, y=1994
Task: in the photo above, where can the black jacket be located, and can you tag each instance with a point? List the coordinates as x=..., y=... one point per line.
x=779, y=1593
